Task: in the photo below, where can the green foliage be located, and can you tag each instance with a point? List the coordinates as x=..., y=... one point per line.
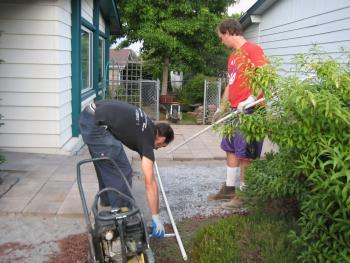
x=309, y=119
x=263, y=78
x=254, y=238
x=193, y=91
x=182, y=31
x=276, y=179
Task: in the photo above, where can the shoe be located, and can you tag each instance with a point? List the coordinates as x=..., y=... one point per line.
x=234, y=203
x=225, y=193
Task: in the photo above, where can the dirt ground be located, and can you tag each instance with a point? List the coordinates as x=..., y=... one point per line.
x=38, y=239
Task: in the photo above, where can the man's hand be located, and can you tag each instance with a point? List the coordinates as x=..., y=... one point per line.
x=157, y=227
x=241, y=106
x=217, y=115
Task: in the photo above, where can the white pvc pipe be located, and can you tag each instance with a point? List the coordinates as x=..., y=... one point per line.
x=217, y=122
x=176, y=232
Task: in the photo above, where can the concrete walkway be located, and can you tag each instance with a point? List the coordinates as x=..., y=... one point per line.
x=45, y=185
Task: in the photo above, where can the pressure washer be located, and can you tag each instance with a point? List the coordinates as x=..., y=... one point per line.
x=114, y=235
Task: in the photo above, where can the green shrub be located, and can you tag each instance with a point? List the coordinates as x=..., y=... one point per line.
x=253, y=238
x=275, y=183
x=310, y=121
x=193, y=91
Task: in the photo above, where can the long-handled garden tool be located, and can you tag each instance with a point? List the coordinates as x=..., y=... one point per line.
x=228, y=116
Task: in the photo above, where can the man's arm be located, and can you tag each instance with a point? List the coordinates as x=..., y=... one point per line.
x=152, y=197
x=222, y=108
x=225, y=94
x=224, y=98
x=151, y=185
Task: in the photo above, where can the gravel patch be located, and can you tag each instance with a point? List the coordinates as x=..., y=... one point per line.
x=187, y=186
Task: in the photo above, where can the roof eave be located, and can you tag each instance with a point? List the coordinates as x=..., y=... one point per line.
x=110, y=13
x=254, y=13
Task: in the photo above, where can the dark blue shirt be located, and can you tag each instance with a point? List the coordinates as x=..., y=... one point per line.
x=128, y=124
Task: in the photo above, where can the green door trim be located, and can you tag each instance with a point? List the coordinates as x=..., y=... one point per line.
x=96, y=22
x=77, y=22
x=107, y=45
x=76, y=67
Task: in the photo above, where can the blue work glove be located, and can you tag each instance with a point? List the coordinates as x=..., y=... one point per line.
x=157, y=227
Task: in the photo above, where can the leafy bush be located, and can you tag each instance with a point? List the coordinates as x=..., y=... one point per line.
x=193, y=91
x=253, y=238
x=275, y=183
x=309, y=119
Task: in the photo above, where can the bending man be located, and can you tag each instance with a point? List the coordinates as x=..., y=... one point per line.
x=105, y=126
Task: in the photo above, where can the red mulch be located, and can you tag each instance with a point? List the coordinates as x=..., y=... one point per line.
x=73, y=249
x=7, y=249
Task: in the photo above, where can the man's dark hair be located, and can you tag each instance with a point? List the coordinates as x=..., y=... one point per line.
x=165, y=130
x=231, y=26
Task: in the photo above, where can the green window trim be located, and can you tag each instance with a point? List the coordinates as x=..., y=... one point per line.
x=102, y=34
x=101, y=60
x=86, y=60
x=111, y=20
x=87, y=24
x=95, y=51
x=76, y=67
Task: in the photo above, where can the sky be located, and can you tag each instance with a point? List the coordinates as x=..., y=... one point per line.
x=241, y=6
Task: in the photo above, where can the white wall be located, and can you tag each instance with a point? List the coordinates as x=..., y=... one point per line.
x=35, y=80
x=290, y=27
x=102, y=24
x=87, y=7
x=252, y=34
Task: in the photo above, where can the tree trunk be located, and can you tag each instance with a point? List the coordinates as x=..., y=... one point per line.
x=165, y=76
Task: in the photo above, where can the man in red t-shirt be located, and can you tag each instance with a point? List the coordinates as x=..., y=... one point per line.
x=246, y=55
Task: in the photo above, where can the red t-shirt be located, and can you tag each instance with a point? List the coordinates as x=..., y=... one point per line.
x=239, y=89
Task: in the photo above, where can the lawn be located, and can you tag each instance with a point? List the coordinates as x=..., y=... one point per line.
x=253, y=237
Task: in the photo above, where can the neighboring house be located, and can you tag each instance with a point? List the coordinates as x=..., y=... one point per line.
x=54, y=54
x=284, y=28
x=120, y=61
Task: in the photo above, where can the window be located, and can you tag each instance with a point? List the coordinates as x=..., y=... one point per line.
x=86, y=59
x=101, y=58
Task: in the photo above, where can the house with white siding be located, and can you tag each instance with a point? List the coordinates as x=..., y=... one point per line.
x=53, y=55
x=284, y=28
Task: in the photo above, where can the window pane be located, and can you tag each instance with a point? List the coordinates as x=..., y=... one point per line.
x=101, y=55
x=85, y=59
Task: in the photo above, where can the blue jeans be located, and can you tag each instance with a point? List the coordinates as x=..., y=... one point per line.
x=102, y=143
